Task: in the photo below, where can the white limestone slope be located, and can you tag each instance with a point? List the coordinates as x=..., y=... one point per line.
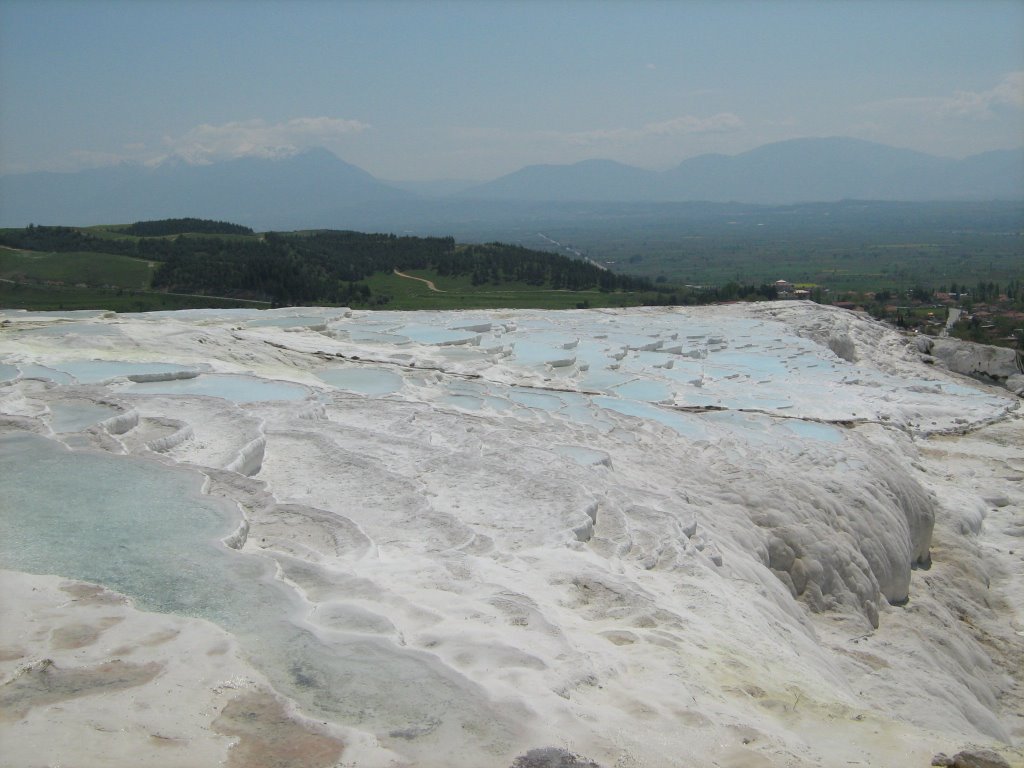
x=764, y=535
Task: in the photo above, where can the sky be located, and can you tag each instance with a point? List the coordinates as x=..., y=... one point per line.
x=473, y=90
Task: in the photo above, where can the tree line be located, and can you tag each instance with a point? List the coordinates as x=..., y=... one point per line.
x=498, y=263
x=164, y=227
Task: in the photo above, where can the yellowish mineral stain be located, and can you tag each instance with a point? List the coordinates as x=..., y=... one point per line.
x=268, y=737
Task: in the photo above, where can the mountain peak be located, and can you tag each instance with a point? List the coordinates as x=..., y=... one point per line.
x=320, y=154
x=254, y=190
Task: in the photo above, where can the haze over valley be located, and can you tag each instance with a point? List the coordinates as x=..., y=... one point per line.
x=314, y=188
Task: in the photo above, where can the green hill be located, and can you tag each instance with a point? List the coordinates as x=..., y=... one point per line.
x=191, y=262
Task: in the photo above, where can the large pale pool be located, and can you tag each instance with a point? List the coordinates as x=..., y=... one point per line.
x=128, y=524
x=74, y=328
x=234, y=387
x=147, y=531
x=95, y=371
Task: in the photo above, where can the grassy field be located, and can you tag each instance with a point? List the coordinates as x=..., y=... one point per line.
x=88, y=269
x=460, y=293
x=38, y=280
x=23, y=296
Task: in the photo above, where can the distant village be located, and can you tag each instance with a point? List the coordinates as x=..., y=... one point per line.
x=991, y=315
x=786, y=290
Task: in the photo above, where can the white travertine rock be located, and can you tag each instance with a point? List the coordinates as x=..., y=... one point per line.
x=998, y=363
x=748, y=535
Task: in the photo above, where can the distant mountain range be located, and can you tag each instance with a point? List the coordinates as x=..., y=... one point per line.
x=317, y=189
x=796, y=171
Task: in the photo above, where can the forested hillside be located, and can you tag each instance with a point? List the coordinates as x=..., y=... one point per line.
x=315, y=267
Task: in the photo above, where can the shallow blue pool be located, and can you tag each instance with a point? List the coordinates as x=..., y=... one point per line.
x=366, y=381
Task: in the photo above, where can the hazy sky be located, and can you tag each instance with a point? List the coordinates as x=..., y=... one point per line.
x=422, y=90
